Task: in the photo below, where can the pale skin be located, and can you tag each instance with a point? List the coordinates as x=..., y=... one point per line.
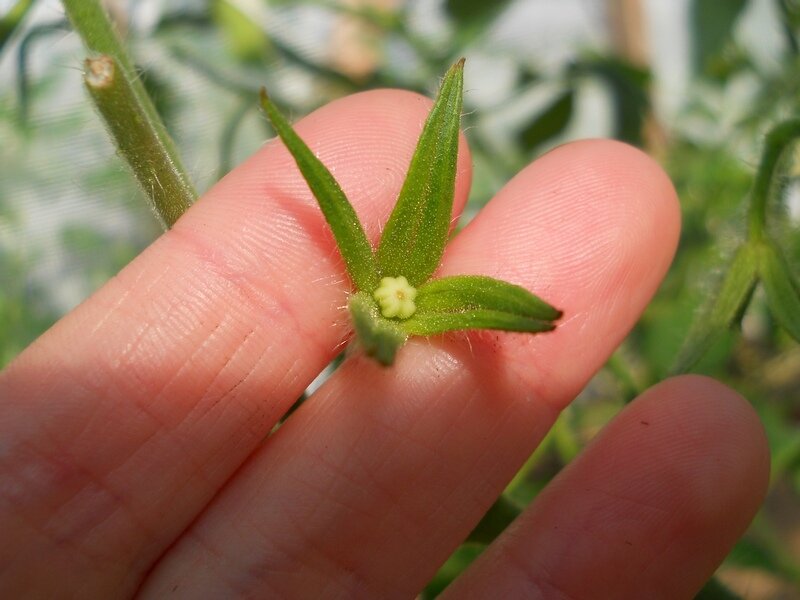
x=134, y=456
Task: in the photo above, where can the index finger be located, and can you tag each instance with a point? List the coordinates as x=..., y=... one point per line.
x=121, y=422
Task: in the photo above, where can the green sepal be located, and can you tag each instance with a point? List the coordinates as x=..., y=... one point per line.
x=727, y=308
x=339, y=213
x=783, y=294
x=380, y=338
x=478, y=302
x=462, y=292
x=434, y=324
x=415, y=235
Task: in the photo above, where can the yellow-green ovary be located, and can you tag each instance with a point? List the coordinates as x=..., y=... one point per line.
x=396, y=297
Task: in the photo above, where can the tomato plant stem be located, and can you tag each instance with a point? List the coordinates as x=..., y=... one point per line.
x=129, y=113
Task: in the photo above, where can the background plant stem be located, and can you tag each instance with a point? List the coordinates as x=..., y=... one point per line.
x=499, y=516
x=130, y=115
x=138, y=141
x=776, y=143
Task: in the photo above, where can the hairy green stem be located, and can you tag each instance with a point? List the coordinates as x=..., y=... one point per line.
x=96, y=30
x=138, y=141
x=130, y=114
x=776, y=145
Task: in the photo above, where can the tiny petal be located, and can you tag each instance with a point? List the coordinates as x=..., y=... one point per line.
x=396, y=297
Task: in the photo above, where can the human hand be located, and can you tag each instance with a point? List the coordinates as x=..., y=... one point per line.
x=133, y=453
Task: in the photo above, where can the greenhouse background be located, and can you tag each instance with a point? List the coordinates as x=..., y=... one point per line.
x=696, y=83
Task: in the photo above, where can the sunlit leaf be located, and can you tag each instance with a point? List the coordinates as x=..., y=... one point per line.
x=415, y=235
x=350, y=237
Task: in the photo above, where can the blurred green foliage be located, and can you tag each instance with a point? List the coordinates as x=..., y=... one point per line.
x=214, y=49
x=712, y=22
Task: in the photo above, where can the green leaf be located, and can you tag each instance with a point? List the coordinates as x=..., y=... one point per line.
x=246, y=40
x=628, y=85
x=727, y=306
x=499, y=516
x=550, y=122
x=783, y=294
x=760, y=552
x=468, y=12
x=415, y=235
x=379, y=337
x=712, y=23
x=477, y=302
x=790, y=11
x=715, y=590
x=790, y=21
x=472, y=18
x=347, y=230
x=474, y=14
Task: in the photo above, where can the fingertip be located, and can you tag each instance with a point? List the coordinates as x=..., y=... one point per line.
x=591, y=227
x=621, y=187
x=721, y=446
x=667, y=487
